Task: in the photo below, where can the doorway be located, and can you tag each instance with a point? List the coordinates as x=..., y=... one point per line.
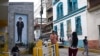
x=99, y=35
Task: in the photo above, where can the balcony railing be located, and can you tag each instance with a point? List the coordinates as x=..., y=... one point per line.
x=47, y=29
x=50, y=22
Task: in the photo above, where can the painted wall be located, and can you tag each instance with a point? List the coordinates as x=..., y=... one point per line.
x=81, y=3
x=20, y=8
x=24, y=30
x=93, y=19
x=83, y=23
x=64, y=8
x=93, y=22
x=71, y=17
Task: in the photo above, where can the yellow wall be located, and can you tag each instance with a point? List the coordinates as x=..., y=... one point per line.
x=3, y=23
x=5, y=48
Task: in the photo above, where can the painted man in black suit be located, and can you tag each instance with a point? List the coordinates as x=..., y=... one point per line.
x=20, y=26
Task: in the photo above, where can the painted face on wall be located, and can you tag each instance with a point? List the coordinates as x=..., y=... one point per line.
x=20, y=19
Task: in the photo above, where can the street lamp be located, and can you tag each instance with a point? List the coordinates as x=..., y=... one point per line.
x=41, y=12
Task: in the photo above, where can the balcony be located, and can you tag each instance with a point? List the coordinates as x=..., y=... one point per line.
x=50, y=22
x=93, y=4
x=37, y=22
x=50, y=15
x=48, y=28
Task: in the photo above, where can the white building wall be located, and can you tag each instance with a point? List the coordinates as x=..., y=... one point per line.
x=93, y=22
x=82, y=3
x=64, y=9
x=54, y=12
x=83, y=24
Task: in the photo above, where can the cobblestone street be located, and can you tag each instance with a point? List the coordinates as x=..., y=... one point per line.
x=64, y=52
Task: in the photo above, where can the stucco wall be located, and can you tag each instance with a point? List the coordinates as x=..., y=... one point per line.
x=82, y=3
x=93, y=22
x=93, y=19
x=20, y=8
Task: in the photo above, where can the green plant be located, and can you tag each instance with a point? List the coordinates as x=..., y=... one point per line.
x=31, y=46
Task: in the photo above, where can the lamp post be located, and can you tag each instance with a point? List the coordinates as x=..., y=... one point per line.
x=41, y=12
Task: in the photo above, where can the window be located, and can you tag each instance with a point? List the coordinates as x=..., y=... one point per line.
x=61, y=30
x=78, y=25
x=69, y=29
x=59, y=10
x=55, y=1
x=72, y=5
x=55, y=28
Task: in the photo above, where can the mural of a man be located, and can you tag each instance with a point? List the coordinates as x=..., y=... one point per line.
x=20, y=26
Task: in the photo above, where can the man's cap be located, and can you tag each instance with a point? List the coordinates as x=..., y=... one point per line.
x=20, y=18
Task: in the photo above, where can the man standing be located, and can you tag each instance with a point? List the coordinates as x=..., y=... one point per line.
x=15, y=50
x=85, y=46
x=20, y=26
x=54, y=39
